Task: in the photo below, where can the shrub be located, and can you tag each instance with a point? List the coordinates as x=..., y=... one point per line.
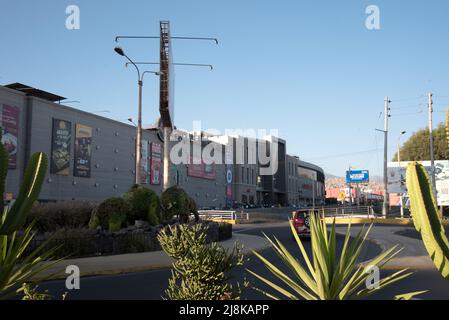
x=330, y=272
x=116, y=221
x=193, y=208
x=152, y=217
x=51, y=217
x=200, y=271
x=110, y=207
x=224, y=231
x=94, y=222
x=142, y=201
x=175, y=202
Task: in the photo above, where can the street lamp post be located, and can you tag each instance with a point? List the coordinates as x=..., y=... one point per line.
x=399, y=163
x=138, y=144
x=399, y=147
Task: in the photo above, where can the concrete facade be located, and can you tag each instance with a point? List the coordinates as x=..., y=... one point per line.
x=112, y=149
x=113, y=156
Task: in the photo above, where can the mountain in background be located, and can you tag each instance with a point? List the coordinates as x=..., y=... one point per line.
x=333, y=181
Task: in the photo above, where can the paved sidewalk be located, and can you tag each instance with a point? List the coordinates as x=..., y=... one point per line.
x=135, y=262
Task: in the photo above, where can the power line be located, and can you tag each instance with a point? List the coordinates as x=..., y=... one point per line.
x=345, y=154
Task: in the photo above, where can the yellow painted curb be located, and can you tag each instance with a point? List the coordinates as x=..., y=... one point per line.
x=390, y=221
x=225, y=221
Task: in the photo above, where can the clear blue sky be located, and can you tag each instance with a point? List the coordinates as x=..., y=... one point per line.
x=308, y=68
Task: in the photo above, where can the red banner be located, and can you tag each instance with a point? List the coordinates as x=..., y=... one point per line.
x=156, y=163
x=203, y=171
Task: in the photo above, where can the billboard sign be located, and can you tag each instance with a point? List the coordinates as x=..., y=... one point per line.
x=156, y=163
x=203, y=171
x=307, y=174
x=144, y=162
x=60, y=147
x=229, y=180
x=10, y=133
x=397, y=175
x=359, y=176
x=83, y=151
x=167, y=77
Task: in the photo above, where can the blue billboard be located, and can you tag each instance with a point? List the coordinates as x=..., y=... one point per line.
x=360, y=176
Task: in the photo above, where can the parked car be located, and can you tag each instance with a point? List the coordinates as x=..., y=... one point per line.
x=301, y=222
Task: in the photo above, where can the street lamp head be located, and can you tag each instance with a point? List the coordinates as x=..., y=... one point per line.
x=119, y=51
x=403, y=132
x=130, y=120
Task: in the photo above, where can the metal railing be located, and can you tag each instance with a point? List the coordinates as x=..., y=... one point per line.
x=347, y=211
x=223, y=215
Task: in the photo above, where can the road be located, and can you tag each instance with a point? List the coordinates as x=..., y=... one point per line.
x=151, y=284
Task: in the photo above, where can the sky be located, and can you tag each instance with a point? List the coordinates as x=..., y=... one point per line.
x=310, y=69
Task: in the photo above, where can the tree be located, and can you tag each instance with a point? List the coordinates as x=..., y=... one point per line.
x=417, y=147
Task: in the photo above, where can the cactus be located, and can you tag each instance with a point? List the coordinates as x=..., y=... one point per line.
x=14, y=218
x=425, y=217
x=17, y=264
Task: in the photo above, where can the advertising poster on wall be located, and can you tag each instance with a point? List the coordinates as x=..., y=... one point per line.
x=83, y=151
x=156, y=163
x=10, y=133
x=60, y=147
x=397, y=175
x=203, y=171
x=307, y=174
x=229, y=180
x=144, y=163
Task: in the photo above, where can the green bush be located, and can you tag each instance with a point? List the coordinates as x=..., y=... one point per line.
x=224, y=231
x=51, y=217
x=116, y=221
x=143, y=202
x=193, y=208
x=175, y=202
x=152, y=217
x=201, y=271
x=94, y=222
x=109, y=208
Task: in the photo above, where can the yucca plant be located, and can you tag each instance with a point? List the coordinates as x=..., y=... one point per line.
x=16, y=265
x=329, y=275
x=426, y=218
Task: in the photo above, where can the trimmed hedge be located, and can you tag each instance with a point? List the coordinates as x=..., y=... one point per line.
x=176, y=202
x=51, y=217
x=144, y=205
x=112, y=213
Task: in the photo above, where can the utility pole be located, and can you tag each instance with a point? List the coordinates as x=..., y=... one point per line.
x=432, y=156
x=386, y=195
x=349, y=186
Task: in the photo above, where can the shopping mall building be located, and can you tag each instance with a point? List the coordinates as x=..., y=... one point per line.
x=92, y=158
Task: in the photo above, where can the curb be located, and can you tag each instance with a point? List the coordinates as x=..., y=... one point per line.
x=139, y=262
x=387, y=221
x=355, y=221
